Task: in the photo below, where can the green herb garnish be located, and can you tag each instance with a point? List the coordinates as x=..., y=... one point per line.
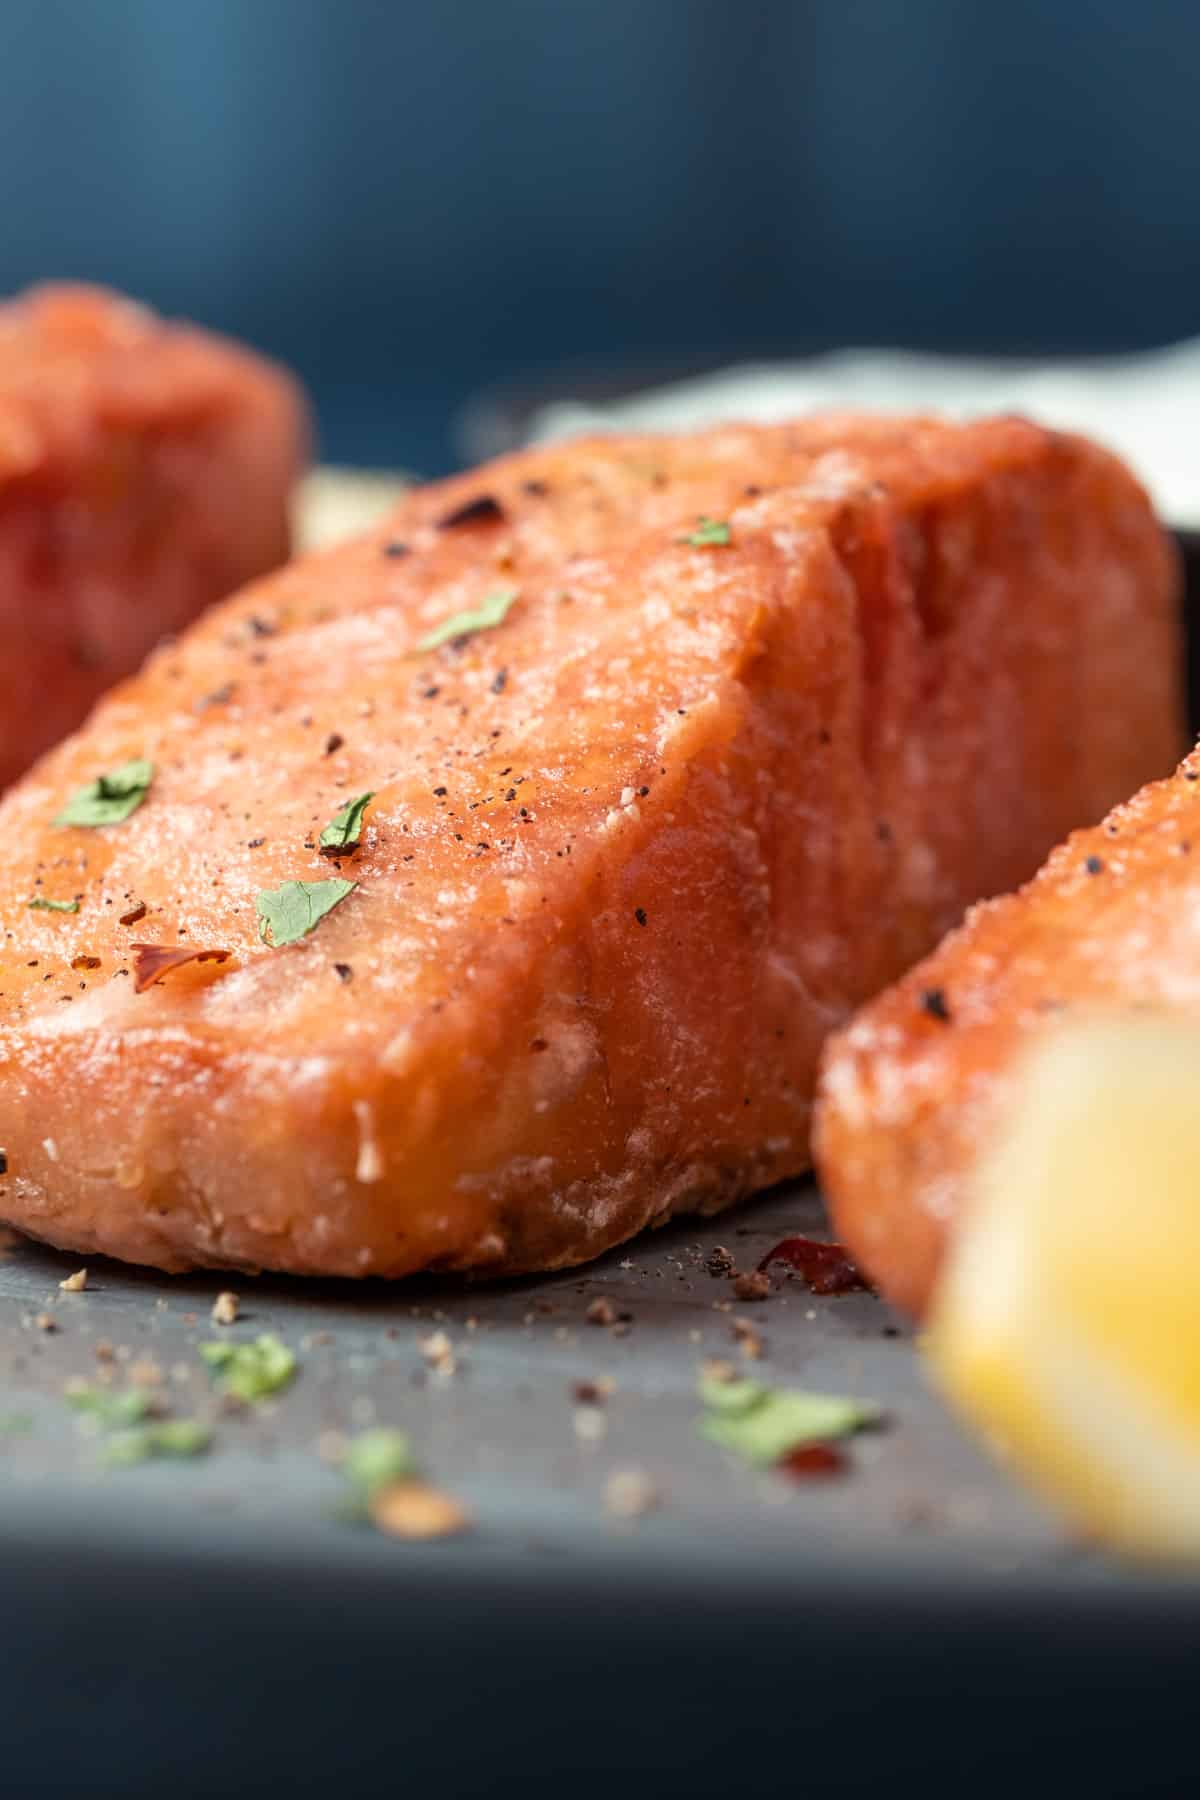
x=251, y=1371
x=41, y=903
x=289, y=912
x=110, y=798
x=111, y=1411
x=345, y=828
x=708, y=531
x=160, y=1437
x=377, y=1458
x=492, y=610
x=762, y=1424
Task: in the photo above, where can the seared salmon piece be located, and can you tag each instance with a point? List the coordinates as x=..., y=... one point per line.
x=916, y=1086
x=639, y=763
x=144, y=472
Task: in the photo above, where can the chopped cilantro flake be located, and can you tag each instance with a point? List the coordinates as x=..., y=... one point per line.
x=375, y=1458
x=345, y=828
x=708, y=532
x=251, y=1371
x=110, y=798
x=42, y=903
x=289, y=912
x=762, y=1424
x=110, y=1410
x=491, y=611
x=159, y=1437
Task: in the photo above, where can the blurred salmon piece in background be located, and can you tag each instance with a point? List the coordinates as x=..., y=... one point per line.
x=145, y=470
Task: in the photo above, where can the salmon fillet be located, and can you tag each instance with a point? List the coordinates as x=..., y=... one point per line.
x=144, y=472
x=678, y=748
x=914, y=1087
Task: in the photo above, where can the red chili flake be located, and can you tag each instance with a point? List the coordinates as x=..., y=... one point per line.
x=826, y=1268
x=484, y=509
x=814, y=1460
x=152, y=961
x=136, y=912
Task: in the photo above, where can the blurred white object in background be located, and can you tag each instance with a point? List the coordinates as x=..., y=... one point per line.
x=1146, y=406
x=331, y=504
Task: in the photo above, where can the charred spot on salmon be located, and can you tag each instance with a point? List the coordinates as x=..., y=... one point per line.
x=825, y=1268
x=111, y=798
x=1094, y=865
x=134, y=914
x=395, y=549
x=289, y=912
x=484, y=509
x=639, y=913
x=707, y=534
x=934, y=1002
x=491, y=611
x=152, y=961
x=333, y=742
x=342, y=835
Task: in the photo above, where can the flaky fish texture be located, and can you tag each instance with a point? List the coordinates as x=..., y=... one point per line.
x=679, y=749
x=145, y=471
x=912, y=1091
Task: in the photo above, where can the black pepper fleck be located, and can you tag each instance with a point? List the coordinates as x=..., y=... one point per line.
x=500, y=681
x=484, y=509
x=933, y=1001
x=439, y=791
x=1094, y=865
x=639, y=913
x=343, y=971
x=333, y=742
x=395, y=549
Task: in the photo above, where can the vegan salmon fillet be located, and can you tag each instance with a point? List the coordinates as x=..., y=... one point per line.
x=911, y=1094
x=144, y=472
x=677, y=749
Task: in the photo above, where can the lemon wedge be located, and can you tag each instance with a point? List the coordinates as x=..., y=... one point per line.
x=1066, y=1325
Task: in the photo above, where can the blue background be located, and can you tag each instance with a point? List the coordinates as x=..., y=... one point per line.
x=414, y=201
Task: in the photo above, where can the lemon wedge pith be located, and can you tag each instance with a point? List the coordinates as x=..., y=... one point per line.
x=1066, y=1325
